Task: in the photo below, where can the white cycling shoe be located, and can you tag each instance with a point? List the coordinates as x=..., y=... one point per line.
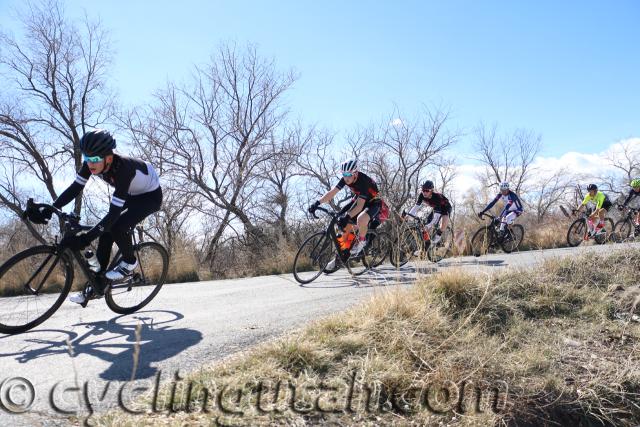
x=358, y=247
x=78, y=297
x=121, y=271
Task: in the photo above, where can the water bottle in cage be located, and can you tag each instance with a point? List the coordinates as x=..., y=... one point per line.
x=92, y=260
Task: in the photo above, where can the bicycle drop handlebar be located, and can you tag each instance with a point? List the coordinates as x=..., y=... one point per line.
x=327, y=211
x=71, y=218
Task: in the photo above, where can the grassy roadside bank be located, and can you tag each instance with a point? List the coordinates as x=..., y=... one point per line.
x=554, y=344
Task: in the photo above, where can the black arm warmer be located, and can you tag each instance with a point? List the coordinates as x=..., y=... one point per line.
x=68, y=195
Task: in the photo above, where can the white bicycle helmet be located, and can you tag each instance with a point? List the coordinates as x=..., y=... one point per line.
x=350, y=165
x=504, y=185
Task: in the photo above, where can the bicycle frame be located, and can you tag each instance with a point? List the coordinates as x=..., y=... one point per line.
x=423, y=225
x=330, y=231
x=71, y=225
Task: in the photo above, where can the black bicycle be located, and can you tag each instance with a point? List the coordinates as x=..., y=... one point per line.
x=626, y=228
x=579, y=230
x=36, y=281
x=321, y=247
x=491, y=237
x=413, y=239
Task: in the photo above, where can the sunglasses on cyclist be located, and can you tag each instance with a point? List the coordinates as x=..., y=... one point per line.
x=92, y=159
x=425, y=190
x=347, y=174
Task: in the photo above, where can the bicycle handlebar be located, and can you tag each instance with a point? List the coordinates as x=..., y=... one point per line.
x=32, y=205
x=416, y=217
x=63, y=215
x=327, y=211
x=488, y=215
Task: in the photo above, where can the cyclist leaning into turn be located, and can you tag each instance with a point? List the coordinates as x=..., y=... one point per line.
x=137, y=195
x=512, y=206
x=633, y=193
x=441, y=208
x=601, y=204
x=365, y=207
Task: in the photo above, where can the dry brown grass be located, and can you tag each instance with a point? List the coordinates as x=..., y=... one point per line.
x=552, y=334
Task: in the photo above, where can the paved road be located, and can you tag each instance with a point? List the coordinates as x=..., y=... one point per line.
x=186, y=326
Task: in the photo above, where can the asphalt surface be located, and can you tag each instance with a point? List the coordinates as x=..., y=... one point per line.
x=185, y=327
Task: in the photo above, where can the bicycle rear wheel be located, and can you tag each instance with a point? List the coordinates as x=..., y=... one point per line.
x=437, y=252
x=377, y=248
x=575, y=234
x=312, y=257
x=33, y=285
x=137, y=291
x=512, y=238
x=481, y=241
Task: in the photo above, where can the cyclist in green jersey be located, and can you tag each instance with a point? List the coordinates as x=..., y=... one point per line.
x=600, y=204
x=633, y=193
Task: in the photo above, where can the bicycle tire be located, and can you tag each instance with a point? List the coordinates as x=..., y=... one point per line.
x=324, y=243
x=67, y=266
x=379, y=247
x=577, y=228
x=437, y=257
x=110, y=295
x=481, y=241
x=403, y=247
x=624, y=227
x=507, y=249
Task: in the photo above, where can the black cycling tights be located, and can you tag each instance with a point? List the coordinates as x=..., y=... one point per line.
x=135, y=209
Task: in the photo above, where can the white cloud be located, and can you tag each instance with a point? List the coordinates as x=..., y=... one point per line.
x=588, y=164
x=397, y=122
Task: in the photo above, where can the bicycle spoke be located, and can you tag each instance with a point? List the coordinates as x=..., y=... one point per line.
x=23, y=305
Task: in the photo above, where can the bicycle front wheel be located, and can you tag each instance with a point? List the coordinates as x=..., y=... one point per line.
x=149, y=276
x=404, y=246
x=312, y=257
x=481, y=241
x=624, y=227
x=33, y=285
x=438, y=251
x=576, y=232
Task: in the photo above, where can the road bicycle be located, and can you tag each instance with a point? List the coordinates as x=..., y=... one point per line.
x=626, y=228
x=578, y=231
x=36, y=281
x=321, y=247
x=491, y=237
x=413, y=239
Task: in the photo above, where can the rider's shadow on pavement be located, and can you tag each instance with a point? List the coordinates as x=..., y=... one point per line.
x=153, y=342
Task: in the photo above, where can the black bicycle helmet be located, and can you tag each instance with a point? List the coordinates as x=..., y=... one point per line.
x=427, y=185
x=97, y=142
x=592, y=187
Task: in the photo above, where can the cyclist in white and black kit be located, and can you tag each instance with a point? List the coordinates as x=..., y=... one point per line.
x=137, y=194
x=441, y=208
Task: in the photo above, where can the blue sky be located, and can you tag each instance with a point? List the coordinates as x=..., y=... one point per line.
x=568, y=70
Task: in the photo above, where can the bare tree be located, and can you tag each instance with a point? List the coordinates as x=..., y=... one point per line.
x=550, y=192
x=626, y=163
x=627, y=160
x=320, y=162
x=278, y=174
x=507, y=158
x=403, y=151
x=55, y=87
x=214, y=134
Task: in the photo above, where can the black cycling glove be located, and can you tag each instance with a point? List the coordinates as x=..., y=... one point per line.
x=314, y=206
